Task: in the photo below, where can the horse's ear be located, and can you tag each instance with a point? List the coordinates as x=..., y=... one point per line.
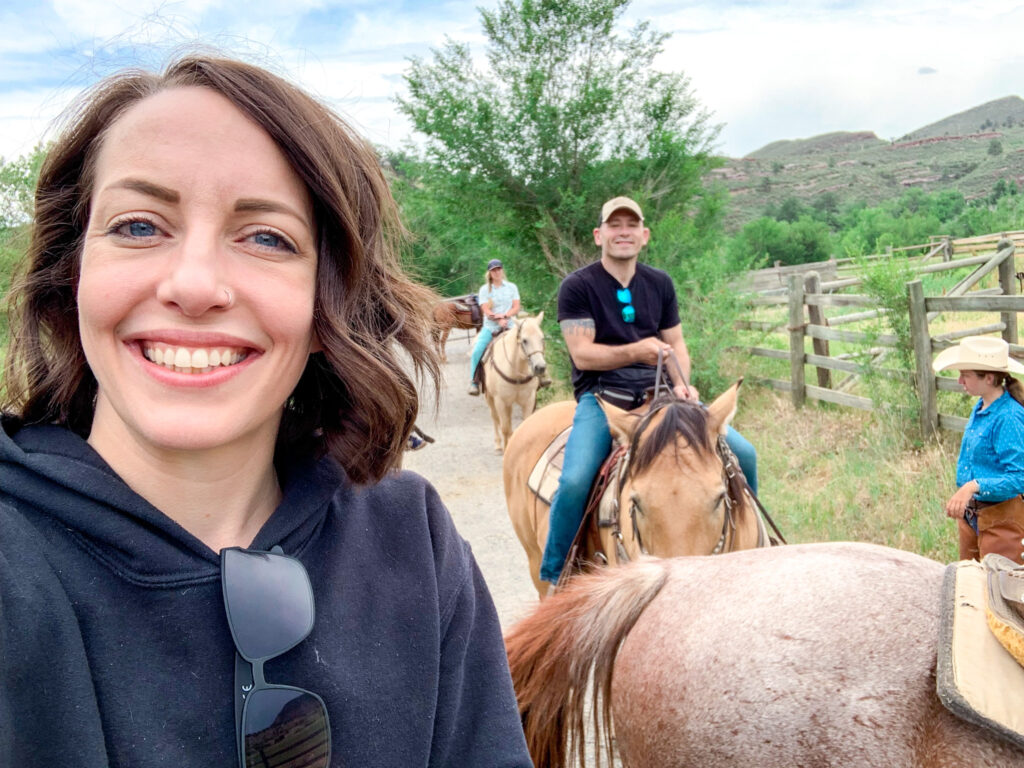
x=540, y=318
x=620, y=422
x=721, y=411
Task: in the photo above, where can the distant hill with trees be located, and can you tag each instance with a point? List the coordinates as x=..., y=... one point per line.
x=969, y=153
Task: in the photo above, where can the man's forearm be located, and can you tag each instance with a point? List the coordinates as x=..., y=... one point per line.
x=603, y=357
x=683, y=356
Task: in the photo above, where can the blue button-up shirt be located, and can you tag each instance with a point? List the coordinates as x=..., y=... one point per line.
x=992, y=450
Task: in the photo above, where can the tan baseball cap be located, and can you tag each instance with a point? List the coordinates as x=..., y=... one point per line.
x=978, y=353
x=618, y=204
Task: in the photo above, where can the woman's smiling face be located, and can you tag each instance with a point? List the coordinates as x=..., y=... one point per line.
x=198, y=277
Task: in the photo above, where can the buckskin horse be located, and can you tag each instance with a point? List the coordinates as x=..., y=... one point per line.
x=512, y=367
x=807, y=655
x=460, y=312
x=676, y=495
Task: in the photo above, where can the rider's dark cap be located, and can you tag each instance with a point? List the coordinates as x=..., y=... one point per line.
x=494, y=264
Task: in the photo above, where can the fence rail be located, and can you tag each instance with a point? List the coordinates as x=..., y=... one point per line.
x=806, y=297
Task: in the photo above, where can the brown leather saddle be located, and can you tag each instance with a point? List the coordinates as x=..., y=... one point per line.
x=468, y=311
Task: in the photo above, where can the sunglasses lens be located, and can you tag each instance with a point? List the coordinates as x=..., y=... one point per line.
x=628, y=314
x=269, y=602
x=285, y=727
x=624, y=296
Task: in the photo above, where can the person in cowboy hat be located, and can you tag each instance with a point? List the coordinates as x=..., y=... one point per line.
x=988, y=505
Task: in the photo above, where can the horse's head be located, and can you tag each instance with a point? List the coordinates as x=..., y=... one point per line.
x=530, y=338
x=675, y=491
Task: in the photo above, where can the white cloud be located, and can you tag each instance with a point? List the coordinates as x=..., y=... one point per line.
x=768, y=70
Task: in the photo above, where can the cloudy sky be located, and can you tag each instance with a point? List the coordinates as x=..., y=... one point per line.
x=766, y=70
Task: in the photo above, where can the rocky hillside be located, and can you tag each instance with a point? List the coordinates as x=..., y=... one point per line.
x=969, y=152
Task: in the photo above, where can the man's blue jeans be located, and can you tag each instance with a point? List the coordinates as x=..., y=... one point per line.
x=589, y=443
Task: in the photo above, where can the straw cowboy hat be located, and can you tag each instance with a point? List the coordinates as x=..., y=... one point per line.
x=978, y=353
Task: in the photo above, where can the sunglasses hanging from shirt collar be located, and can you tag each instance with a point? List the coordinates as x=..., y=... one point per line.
x=268, y=599
x=628, y=312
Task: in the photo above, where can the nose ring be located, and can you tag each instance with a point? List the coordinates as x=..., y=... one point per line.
x=227, y=298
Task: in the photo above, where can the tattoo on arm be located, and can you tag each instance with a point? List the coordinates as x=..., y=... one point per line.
x=578, y=326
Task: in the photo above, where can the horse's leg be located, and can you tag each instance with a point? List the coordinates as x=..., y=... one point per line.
x=495, y=416
x=442, y=342
x=505, y=413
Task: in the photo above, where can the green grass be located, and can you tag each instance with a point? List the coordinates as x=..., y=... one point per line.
x=831, y=474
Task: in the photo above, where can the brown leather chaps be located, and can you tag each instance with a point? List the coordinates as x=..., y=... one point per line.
x=1000, y=529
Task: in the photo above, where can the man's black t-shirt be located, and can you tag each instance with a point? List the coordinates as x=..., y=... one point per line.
x=590, y=292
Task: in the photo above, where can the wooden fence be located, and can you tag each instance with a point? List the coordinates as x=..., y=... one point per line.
x=807, y=296
x=776, y=278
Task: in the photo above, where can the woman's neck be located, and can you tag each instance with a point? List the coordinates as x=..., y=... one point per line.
x=222, y=496
x=990, y=396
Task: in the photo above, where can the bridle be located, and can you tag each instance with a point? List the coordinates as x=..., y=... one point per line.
x=732, y=476
x=521, y=342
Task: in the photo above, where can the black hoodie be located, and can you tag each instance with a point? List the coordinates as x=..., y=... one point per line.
x=115, y=649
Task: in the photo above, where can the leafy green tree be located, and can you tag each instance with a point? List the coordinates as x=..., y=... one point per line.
x=17, y=187
x=789, y=210
x=569, y=112
x=995, y=147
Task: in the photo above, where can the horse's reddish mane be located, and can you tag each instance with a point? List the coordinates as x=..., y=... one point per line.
x=571, y=636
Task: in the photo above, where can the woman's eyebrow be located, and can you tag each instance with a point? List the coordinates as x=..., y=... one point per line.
x=148, y=188
x=258, y=205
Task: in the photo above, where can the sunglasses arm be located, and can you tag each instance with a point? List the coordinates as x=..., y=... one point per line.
x=243, y=684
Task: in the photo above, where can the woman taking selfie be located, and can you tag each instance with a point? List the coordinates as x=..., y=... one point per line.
x=205, y=556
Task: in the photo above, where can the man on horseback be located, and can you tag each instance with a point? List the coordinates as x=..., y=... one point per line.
x=499, y=300
x=617, y=316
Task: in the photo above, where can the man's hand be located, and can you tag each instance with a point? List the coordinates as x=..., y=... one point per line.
x=646, y=350
x=958, y=501
x=686, y=392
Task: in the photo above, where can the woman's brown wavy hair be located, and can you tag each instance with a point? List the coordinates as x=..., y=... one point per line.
x=356, y=400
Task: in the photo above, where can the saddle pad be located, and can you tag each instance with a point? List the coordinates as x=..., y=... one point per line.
x=975, y=677
x=543, y=480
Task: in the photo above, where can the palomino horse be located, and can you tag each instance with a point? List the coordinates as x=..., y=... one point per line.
x=511, y=370
x=809, y=655
x=675, y=497
x=460, y=312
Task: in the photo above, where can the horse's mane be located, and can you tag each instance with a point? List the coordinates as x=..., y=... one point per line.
x=682, y=419
x=567, y=646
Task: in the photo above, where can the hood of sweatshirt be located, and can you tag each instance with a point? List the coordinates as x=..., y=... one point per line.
x=54, y=478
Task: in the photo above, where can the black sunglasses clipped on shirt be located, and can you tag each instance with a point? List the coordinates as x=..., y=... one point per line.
x=268, y=599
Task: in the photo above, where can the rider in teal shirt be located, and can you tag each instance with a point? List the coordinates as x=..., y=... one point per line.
x=499, y=300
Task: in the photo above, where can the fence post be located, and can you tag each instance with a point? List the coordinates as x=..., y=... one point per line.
x=923, y=358
x=816, y=316
x=947, y=249
x=1008, y=282
x=797, y=329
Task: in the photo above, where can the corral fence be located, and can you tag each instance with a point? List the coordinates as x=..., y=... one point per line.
x=806, y=297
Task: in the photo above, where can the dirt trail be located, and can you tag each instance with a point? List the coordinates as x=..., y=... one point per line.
x=463, y=466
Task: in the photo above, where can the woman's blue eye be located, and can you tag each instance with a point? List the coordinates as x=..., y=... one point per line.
x=141, y=229
x=268, y=240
